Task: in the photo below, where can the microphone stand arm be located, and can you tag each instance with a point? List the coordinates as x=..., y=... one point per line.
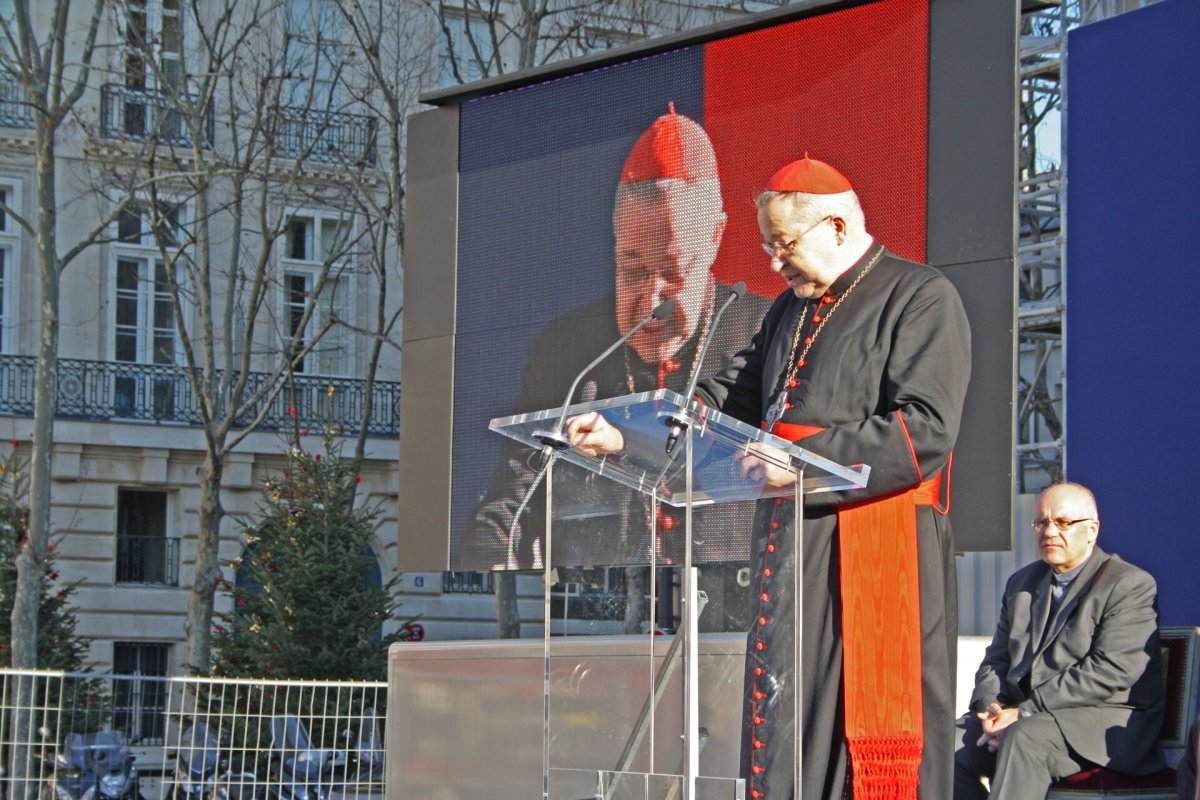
x=677, y=421
x=554, y=439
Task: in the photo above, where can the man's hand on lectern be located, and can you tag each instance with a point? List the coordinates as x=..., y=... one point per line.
x=762, y=463
x=591, y=434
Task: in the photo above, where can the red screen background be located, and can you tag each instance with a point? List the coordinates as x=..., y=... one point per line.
x=850, y=88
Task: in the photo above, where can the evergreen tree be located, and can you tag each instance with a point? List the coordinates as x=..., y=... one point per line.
x=306, y=604
x=58, y=646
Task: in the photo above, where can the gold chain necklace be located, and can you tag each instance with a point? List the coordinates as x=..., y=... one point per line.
x=775, y=412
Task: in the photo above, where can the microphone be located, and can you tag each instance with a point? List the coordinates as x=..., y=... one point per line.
x=554, y=439
x=676, y=421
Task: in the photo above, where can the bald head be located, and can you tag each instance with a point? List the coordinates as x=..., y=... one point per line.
x=1077, y=493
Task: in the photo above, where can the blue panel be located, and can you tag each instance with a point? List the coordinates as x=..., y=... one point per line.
x=1133, y=208
x=538, y=170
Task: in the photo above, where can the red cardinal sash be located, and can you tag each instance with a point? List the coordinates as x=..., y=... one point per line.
x=881, y=632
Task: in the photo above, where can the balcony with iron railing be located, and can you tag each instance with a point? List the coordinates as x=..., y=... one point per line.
x=325, y=137
x=148, y=560
x=468, y=583
x=14, y=105
x=162, y=393
x=138, y=114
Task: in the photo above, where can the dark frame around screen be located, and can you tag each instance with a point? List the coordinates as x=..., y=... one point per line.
x=970, y=234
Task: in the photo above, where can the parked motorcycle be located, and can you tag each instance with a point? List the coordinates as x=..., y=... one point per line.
x=196, y=764
x=204, y=770
x=234, y=783
x=93, y=766
x=360, y=768
x=298, y=770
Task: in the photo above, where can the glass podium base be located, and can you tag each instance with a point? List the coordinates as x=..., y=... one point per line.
x=579, y=784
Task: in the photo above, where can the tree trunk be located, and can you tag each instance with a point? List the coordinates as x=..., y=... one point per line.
x=508, y=618
x=32, y=553
x=637, y=609
x=202, y=599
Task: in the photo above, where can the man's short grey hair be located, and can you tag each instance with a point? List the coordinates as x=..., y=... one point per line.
x=703, y=194
x=811, y=208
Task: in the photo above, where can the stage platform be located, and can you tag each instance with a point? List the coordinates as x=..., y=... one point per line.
x=466, y=718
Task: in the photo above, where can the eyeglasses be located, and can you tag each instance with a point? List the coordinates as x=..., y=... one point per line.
x=771, y=248
x=1061, y=523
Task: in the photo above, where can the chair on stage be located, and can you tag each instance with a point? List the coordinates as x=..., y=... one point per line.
x=1181, y=663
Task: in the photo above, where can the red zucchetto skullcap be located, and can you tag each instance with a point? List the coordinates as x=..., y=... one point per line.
x=674, y=146
x=810, y=176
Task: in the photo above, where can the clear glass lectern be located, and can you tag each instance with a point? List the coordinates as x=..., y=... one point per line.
x=653, y=716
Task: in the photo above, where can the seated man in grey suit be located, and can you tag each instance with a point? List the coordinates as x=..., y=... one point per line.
x=1073, y=676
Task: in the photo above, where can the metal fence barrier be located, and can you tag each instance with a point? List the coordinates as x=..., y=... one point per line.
x=77, y=736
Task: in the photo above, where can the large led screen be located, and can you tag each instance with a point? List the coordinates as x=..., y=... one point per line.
x=570, y=231
x=543, y=223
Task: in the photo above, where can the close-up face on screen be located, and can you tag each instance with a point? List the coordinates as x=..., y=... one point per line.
x=587, y=201
x=666, y=233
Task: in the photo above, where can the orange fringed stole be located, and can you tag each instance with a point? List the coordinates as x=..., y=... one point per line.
x=881, y=632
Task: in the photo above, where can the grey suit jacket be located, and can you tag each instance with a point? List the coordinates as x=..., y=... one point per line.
x=1096, y=667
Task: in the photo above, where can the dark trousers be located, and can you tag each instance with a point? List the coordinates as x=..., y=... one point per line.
x=1189, y=787
x=1033, y=754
